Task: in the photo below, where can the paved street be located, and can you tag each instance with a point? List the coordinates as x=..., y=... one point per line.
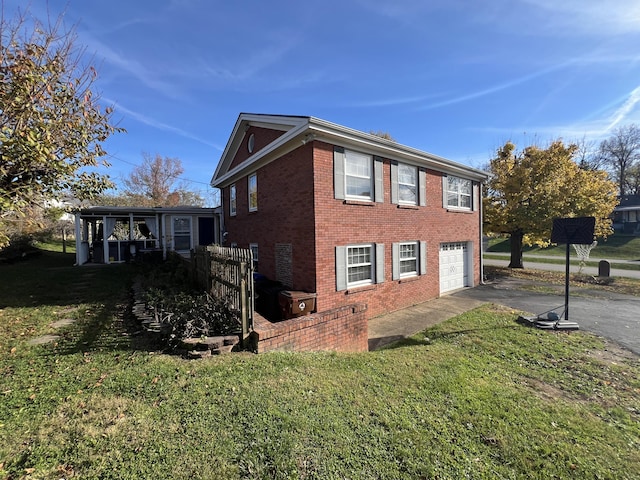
x=610, y=315
x=615, y=272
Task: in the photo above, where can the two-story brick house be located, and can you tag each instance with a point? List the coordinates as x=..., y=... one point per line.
x=350, y=216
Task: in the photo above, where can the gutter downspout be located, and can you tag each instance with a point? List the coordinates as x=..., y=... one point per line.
x=221, y=229
x=481, y=239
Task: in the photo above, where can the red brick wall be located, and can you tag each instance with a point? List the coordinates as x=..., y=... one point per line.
x=296, y=205
x=262, y=138
x=344, y=329
x=284, y=215
x=340, y=224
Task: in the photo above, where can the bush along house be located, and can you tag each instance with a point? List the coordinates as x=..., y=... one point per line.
x=349, y=216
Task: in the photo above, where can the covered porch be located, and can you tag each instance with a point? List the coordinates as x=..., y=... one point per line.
x=121, y=234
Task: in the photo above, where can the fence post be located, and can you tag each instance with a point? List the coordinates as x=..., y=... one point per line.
x=244, y=314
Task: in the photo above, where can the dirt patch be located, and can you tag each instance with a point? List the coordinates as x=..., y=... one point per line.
x=548, y=392
x=614, y=354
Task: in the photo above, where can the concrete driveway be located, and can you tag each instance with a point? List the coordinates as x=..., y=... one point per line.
x=610, y=315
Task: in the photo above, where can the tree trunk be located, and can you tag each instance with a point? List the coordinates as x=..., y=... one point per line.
x=516, y=249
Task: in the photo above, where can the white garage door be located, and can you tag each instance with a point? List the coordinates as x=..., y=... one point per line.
x=454, y=271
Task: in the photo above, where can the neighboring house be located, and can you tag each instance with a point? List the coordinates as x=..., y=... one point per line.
x=626, y=216
x=118, y=234
x=347, y=215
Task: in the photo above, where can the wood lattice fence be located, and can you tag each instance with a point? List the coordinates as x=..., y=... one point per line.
x=227, y=274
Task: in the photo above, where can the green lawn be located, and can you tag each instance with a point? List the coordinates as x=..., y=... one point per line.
x=616, y=247
x=480, y=397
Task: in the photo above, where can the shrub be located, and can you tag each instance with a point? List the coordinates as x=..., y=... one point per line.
x=182, y=311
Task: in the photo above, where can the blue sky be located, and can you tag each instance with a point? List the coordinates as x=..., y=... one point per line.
x=456, y=78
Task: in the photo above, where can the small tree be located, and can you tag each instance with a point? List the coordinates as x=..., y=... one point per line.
x=156, y=182
x=51, y=123
x=528, y=189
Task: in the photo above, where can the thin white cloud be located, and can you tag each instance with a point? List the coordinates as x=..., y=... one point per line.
x=248, y=67
x=495, y=88
x=160, y=125
x=597, y=127
x=131, y=67
x=626, y=109
x=593, y=17
x=392, y=102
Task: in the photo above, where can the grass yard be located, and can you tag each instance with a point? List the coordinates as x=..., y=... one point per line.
x=478, y=396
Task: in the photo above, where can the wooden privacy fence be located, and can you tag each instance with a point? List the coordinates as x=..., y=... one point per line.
x=227, y=274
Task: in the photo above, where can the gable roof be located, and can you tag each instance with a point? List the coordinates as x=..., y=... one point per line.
x=299, y=130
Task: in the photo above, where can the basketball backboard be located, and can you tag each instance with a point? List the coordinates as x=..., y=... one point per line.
x=577, y=230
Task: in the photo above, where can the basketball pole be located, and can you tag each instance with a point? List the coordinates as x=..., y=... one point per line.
x=566, y=285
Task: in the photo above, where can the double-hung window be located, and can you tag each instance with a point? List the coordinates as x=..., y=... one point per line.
x=359, y=265
x=408, y=184
x=409, y=259
x=232, y=200
x=458, y=192
x=253, y=192
x=357, y=176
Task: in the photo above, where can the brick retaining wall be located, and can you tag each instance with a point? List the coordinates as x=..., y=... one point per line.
x=343, y=329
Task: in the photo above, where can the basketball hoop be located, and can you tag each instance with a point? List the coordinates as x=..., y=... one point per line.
x=583, y=251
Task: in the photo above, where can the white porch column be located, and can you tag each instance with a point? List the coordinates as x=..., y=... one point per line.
x=105, y=241
x=78, y=238
x=130, y=226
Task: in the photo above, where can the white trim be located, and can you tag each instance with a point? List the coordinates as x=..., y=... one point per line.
x=459, y=194
x=359, y=156
x=416, y=184
x=415, y=258
x=299, y=127
x=371, y=264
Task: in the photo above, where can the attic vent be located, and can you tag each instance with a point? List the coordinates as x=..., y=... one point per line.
x=251, y=143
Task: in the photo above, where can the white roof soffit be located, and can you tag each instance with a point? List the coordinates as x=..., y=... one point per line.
x=390, y=149
x=339, y=135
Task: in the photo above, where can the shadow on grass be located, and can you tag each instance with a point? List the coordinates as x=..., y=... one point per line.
x=431, y=336
x=94, y=300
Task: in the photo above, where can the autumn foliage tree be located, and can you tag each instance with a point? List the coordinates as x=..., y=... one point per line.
x=51, y=122
x=528, y=189
x=156, y=182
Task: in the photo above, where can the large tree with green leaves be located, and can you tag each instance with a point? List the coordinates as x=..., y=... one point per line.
x=528, y=189
x=51, y=122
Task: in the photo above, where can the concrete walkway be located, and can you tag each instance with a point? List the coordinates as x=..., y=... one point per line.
x=395, y=326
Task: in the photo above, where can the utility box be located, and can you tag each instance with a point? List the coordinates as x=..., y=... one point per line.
x=295, y=304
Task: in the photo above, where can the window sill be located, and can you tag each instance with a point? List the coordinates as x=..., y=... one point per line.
x=409, y=207
x=359, y=202
x=409, y=279
x=459, y=210
x=364, y=288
